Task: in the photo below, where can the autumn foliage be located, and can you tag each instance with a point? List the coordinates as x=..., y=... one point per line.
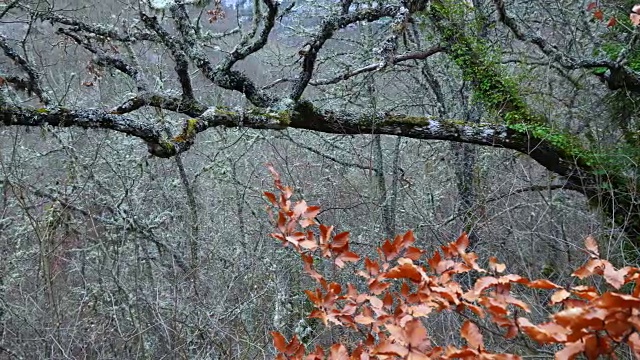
x=404, y=285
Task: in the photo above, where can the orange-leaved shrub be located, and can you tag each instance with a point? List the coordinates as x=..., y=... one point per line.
x=404, y=285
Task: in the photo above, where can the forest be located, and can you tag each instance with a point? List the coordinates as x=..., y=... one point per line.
x=156, y=155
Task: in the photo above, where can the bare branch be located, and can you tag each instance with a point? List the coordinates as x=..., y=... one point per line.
x=414, y=55
x=103, y=59
x=28, y=67
x=620, y=76
x=100, y=30
x=180, y=57
x=329, y=26
x=304, y=116
x=226, y=78
x=244, y=49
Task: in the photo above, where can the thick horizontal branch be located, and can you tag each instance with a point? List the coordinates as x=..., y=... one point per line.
x=181, y=105
x=579, y=176
x=303, y=116
x=82, y=118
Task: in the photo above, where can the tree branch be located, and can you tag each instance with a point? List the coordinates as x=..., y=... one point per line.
x=619, y=76
x=226, y=78
x=180, y=57
x=28, y=67
x=244, y=49
x=329, y=26
x=103, y=59
x=304, y=116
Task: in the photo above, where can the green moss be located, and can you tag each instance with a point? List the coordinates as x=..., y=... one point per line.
x=42, y=111
x=225, y=111
x=188, y=132
x=405, y=120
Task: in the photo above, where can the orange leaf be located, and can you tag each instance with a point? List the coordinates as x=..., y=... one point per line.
x=634, y=344
x=271, y=197
x=312, y=212
x=405, y=271
x=462, y=243
x=389, y=348
x=387, y=300
x=408, y=239
x=483, y=283
x=340, y=240
x=559, y=296
x=611, y=301
x=591, y=267
x=635, y=15
x=612, y=22
x=347, y=256
x=388, y=250
x=279, y=341
x=338, y=352
x=495, y=266
x=591, y=245
x=598, y=14
x=471, y=333
x=308, y=267
x=614, y=277
x=414, y=253
x=543, y=284
x=378, y=287
x=570, y=350
x=373, y=268
x=299, y=209
x=543, y=333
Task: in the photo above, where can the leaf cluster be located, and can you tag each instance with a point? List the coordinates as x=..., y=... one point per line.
x=405, y=285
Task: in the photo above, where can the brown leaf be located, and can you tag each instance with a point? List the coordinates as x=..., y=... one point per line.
x=598, y=14
x=495, y=266
x=471, y=333
x=279, y=341
x=614, y=277
x=543, y=284
x=559, y=296
x=405, y=271
x=592, y=246
x=338, y=352
x=570, y=350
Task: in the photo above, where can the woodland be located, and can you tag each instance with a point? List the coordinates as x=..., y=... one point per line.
x=156, y=155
